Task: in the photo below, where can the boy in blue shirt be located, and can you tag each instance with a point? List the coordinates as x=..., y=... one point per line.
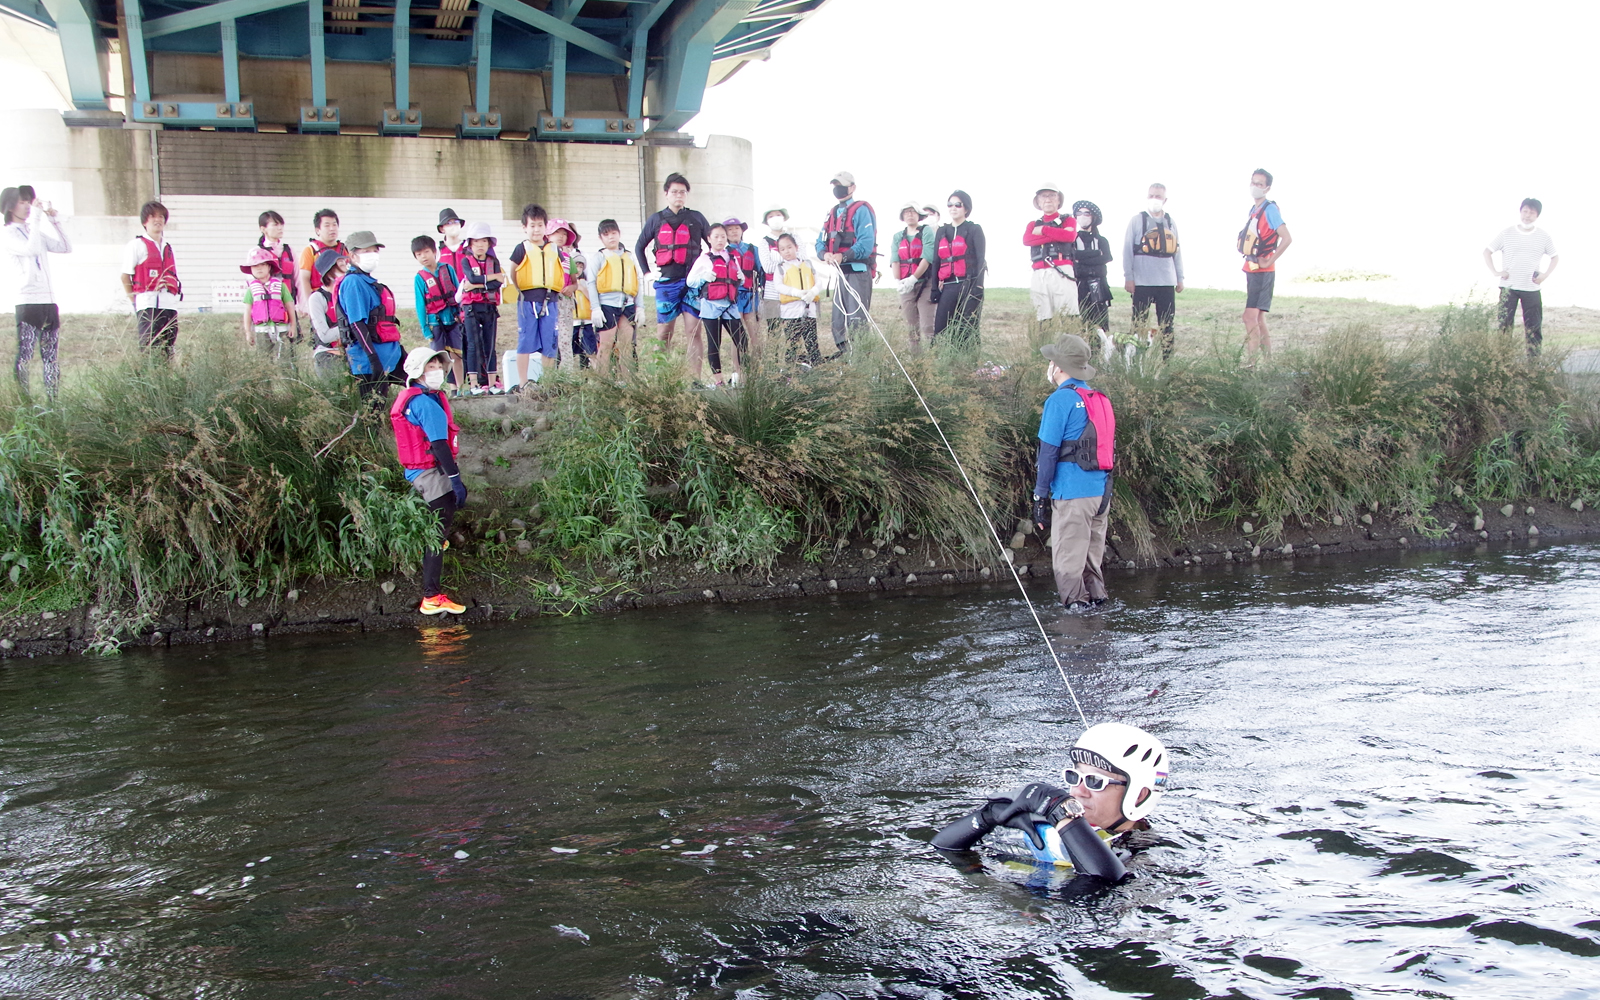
x=1069, y=500
x=437, y=311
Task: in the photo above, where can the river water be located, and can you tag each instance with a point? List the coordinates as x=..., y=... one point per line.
x=1383, y=770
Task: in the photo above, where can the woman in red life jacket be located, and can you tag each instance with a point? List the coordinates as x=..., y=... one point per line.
x=960, y=250
x=270, y=322
x=271, y=225
x=425, y=435
x=912, y=256
x=717, y=279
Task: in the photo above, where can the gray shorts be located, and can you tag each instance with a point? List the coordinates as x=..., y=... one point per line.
x=432, y=484
x=1258, y=290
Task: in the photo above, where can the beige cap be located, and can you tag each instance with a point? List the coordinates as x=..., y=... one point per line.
x=844, y=177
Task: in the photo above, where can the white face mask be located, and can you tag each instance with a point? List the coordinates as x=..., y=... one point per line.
x=433, y=379
x=1085, y=221
x=1157, y=206
x=1257, y=192
x=451, y=230
x=368, y=262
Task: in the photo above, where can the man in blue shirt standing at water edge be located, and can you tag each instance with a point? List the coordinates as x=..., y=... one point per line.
x=1072, y=495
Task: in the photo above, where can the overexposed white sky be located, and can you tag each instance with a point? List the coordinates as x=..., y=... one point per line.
x=1401, y=135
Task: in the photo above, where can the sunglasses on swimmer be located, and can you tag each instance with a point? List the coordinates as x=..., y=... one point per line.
x=1094, y=782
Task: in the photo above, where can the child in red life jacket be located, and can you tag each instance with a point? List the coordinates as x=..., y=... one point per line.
x=749, y=261
x=479, y=297
x=269, y=318
x=716, y=280
x=437, y=310
x=425, y=435
x=150, y=280
x=327, y=351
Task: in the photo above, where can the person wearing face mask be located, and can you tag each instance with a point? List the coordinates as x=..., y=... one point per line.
x=776, y=220
x=1262, y=241
x=1152, y=268
x=367, y=321
x=1522, y=250
x=1049, y=242
x=1091, y=252
x=1115, y=777
x=849, y=241
x=963, y=258
x=427, y=439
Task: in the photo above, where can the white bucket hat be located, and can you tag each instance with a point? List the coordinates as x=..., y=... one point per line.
x=418, y=359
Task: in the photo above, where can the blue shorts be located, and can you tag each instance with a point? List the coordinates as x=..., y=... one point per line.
x=670, y=300
x=449, y=337
x=584, y=340
x=748, y=303
x=611, y=315
x=536, y=327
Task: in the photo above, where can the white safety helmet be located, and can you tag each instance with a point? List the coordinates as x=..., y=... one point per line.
x=418, y=359
x=1049, y=186
x=1134, y=754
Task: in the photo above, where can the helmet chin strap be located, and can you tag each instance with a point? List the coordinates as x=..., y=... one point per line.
x=972, y=491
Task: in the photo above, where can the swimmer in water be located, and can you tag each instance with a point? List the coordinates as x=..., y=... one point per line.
x=1118, y=774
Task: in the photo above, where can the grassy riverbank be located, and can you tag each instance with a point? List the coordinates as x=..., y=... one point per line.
x=223, y=477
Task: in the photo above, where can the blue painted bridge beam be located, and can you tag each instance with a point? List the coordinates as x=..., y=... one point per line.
x=687, y=51
x=75, y=25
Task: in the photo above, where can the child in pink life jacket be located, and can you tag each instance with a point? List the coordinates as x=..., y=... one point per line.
x=269, y=320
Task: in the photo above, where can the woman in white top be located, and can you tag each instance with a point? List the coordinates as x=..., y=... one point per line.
x=31, y=232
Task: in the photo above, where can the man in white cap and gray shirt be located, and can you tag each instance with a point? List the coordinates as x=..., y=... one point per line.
x=849, y=241
x=1049, y=242
x=1152, y=268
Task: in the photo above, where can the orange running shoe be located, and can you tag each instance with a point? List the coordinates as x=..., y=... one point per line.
x=439, y=604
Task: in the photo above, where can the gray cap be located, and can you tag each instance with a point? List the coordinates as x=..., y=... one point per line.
x=362, y=239
x=1071, y=355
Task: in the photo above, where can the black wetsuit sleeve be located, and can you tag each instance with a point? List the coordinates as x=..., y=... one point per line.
x=971, y=828
x=980, y=250
x=1049, y=458
x=447, y=461
x=648, y=233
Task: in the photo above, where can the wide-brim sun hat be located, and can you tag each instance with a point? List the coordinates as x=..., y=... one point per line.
x=362, y=239
x=325, y=262
x=479, y=231
x=1091, y=207
x=418, y=359
x=260, y=255
x=449, y=215
x=571, y=231
x=775, y=209
x=1071, y=355
x=734, y=221
x=913, y=207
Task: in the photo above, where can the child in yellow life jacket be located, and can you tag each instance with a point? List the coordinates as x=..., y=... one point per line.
x=796, y=282
x=538, y=275
x=270, y=322
x=615, y=281
x=584, y=343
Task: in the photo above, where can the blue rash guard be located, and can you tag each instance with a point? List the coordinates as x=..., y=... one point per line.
x=1065, y=419
x=425, y=412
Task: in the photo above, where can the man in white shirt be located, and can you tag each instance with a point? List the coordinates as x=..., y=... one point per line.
x=32, y=232
x=150, y=280
x=1522, y=249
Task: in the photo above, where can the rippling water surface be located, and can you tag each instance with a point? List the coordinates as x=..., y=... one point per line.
x=1384, y=788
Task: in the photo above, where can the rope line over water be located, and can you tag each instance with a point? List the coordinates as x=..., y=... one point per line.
x=972, y=491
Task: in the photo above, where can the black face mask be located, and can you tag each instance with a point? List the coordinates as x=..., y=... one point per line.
x=841, y=192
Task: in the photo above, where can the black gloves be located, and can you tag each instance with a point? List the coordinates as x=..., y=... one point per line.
x=1034, y=803
x=461, y=491
x=1041, y=514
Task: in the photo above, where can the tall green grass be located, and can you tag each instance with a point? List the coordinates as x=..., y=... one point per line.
x=147, y=481
x=813, y=457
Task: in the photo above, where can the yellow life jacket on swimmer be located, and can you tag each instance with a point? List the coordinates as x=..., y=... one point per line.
x=540, y=267
x=619, y=273
x=798, y=275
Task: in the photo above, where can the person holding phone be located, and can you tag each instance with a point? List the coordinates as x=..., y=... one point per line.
x=32, y=232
